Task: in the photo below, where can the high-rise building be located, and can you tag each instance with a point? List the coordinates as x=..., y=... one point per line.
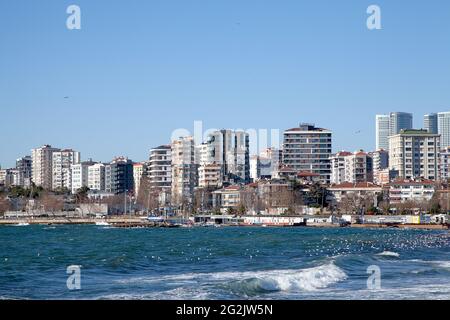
x=399, y=121
x=351, y=167
x=62, y=162
x=119, y=176
x=308, y=148
x=231, y=149
x=415, y=154
x=184, y=171
x=96, y=177
x=202, y=155
x=380, y=164
x=9, y=177
x=24, y=168
x=338, y=167
x=160, y=168
x=430, y=123
x=266, y=164
x=382, y=127
x=444, y=128
x=42, y=166
x=139, y=173
x=359, y=167
x=80, y=175
x=445, y=164
x=210, y=176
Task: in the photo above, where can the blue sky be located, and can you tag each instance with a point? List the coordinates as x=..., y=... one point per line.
x=137, y=70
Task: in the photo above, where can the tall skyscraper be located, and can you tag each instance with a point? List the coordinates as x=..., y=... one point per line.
x=382, y=127
x=231, y=149
x=308, y=148
x=430, y=123
x=444, y=128
x=42, y=164
x=415, y=154
x=399, y=121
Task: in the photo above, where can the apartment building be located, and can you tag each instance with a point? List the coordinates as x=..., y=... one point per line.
x=80, y=175
x=42, y=166
x=184, y=171
x=62, y=162
x=415, y=154
x=210, y=176
x=230, y=149
x=119, y=176
x=140, y=171
x=418, y=190
x=338, y=167
x=96, y=177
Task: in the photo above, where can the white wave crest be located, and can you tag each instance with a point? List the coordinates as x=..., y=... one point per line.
x=389, y=254
x=295, y=280
x=249, y=283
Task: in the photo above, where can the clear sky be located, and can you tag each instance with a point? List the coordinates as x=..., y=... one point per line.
x=139, y=69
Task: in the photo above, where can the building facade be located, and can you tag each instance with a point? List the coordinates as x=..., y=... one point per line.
x=80, y=175
x=42, y=166
x=399, y=121
x=119, y=176
x=382, y=131
x=430, y=123
x=184, y=171
x=415, y=154
x=160, y=168
x=210, y=176
x=338, y=174
x=380, y=160
x=404, y=190
x=444, y=128
x=62, y=162
x=231, y=149
x=140, y=171
x=308, y=148
x=24, y=168
x=96, y=177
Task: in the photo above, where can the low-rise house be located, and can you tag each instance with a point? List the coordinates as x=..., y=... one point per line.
x=306, y=177
x=362, y=189
x=227, y=198
x=420, y=190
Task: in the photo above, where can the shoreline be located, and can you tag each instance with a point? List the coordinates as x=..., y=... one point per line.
x=139, y=222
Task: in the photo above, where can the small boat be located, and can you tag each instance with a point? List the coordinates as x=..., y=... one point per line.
x=102, y=223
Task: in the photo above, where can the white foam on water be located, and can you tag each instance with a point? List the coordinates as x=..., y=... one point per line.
x=389, y=254
x=309, y=279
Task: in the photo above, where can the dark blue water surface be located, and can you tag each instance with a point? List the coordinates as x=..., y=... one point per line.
x=223, y=263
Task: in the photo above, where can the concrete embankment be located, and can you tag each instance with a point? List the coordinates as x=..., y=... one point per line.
x=47, y=221
x=403, y=226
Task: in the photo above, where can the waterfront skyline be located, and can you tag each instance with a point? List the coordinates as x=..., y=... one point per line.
x=239, y=72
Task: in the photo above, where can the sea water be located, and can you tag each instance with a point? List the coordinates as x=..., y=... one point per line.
x=223, y=263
